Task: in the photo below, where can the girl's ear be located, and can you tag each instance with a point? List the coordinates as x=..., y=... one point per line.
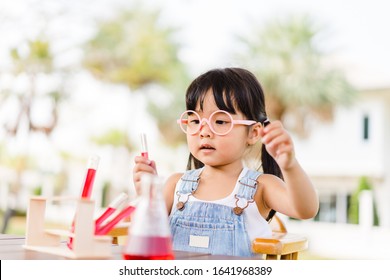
x=254, y=134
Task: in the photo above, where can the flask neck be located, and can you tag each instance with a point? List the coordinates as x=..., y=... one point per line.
x=151, y=188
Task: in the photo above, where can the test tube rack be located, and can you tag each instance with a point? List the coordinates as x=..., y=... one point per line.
x=86, y=245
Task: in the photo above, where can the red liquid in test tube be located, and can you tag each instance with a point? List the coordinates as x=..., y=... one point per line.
x=110, y=210
x=92, y=166
x=111, y=224
x=144, y=151
x=89, y=179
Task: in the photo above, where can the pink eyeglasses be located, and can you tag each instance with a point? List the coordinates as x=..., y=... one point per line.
x=220, y=122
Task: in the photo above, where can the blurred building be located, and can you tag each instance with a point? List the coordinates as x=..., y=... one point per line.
x=354, y=144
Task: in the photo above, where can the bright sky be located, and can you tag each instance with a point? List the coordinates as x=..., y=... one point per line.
x=357, y=30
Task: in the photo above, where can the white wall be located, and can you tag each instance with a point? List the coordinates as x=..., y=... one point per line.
x=338, y=148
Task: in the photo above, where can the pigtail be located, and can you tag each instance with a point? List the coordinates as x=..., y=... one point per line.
x=270, y=167
x=269, y=164
x=193, y=163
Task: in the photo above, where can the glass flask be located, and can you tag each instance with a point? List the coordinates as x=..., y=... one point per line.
x=149, y=235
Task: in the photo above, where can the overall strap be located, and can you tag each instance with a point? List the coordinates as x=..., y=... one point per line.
x=190, y=181
x=188, y=186
x=246, y=191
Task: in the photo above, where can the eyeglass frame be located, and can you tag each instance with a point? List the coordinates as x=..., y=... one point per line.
x=181, y=121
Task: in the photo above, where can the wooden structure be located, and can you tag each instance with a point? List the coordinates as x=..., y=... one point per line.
x=85, y=245
x=282, y=245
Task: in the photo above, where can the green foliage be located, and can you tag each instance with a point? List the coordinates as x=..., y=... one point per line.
x=37, y=191
x=133, y=49
x=114, y=137
x=105, y=194
x=38, y=59
x=353, y=211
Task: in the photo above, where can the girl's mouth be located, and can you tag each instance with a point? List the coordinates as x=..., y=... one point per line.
x=206, y=147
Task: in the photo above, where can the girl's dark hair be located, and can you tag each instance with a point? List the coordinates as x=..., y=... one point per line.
x=233, y=89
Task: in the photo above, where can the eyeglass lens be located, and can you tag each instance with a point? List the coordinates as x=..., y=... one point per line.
x=219, y=122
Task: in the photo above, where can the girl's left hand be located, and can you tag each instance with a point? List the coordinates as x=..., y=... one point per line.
x=278, y=144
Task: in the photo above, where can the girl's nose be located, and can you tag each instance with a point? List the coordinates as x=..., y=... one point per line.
x=204, y=128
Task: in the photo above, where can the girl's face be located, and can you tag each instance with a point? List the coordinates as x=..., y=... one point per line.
x=216, y=150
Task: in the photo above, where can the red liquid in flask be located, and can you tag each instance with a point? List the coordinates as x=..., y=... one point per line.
x=149, y=248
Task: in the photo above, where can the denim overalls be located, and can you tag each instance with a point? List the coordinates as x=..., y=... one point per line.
x=208, y=227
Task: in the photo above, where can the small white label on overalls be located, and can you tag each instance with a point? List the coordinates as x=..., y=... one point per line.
x=199, y=241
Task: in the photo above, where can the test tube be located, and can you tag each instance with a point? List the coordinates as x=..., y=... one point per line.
x=110, y=209
x=92, y=165
x=144, y=151
x=111, y=224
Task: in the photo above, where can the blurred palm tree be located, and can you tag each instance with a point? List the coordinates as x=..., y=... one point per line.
x=30, y=64
x=286, y=58
x=135, y=49
x=37, y=61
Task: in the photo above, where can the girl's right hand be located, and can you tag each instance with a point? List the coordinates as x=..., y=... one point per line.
x=279, y=144
x=142, y=166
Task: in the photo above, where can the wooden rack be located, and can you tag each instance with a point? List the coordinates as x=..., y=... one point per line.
x=86, y=245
